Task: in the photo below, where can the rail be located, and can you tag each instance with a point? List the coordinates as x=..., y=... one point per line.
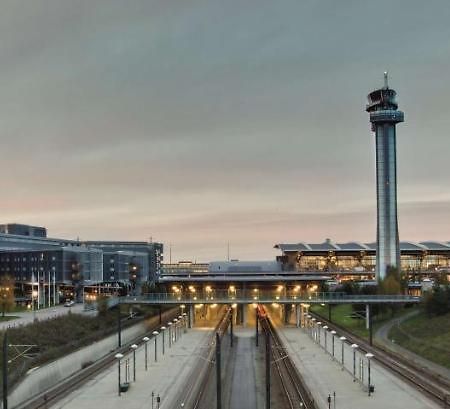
x=429, y=383
x=295, y=392
x=68, y=385
x=195, y=390
x=265, y=297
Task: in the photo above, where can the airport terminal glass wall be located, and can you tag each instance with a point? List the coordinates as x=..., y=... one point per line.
x=367, y=263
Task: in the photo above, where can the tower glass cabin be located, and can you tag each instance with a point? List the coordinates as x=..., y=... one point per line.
x=384, y=115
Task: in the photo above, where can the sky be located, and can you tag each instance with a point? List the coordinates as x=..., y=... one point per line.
x=201, y=123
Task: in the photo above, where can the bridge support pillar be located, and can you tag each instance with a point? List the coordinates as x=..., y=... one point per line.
x=297, y=315
x=287, y=313
x=191, y=315
x=369, y=322
x=367, y=316
x=302, y=316
x=244, y=314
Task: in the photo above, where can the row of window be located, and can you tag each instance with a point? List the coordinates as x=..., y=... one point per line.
x=368, y=262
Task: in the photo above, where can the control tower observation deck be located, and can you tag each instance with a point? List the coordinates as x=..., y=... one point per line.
x=384, y=116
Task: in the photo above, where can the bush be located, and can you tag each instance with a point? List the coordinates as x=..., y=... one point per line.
x=437, y=301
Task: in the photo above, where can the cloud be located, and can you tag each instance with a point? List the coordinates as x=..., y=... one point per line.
x=131, y=120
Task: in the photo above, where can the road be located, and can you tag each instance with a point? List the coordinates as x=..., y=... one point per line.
x=27, y=317
x=382, y=338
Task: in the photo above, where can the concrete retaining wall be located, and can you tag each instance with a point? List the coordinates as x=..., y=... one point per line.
x=50, y=374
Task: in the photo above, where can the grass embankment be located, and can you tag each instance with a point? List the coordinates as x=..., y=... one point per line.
x=8, y=318
x=426, y=336
x=355, y=322
x=59, y=336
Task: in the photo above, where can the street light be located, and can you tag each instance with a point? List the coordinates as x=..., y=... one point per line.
x=319, y=323
x=354, y=347
x=369, y=356
x=134, y=347
x=185, y=325
x=163, y=329
x=34, y=295
x=342, y=345
x=146, y=339
x=169, y=324
x=155, y=333
x=180, y=321
x=325, y=327
x=119, y=357
x=333, y=333
x=175, y=321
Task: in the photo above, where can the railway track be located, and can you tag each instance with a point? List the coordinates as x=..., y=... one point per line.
x=295, y=392
x=432, y=385
x=68, y=385
x=194, y=393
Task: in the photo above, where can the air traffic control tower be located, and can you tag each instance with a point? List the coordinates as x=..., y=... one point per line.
x=384, y=116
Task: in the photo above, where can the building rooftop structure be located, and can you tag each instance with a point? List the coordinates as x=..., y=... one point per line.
x=23, y=230
x=360, y=258
x=357, y=246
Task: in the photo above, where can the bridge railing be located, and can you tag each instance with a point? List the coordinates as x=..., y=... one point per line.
x=251, y=296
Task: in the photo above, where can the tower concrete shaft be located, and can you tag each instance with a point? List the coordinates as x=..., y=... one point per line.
x=384, y=116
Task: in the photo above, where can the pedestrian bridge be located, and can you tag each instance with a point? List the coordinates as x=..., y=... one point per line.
x=265, y=297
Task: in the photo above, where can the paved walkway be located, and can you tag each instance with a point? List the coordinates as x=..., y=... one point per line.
x=246, y=372
x=325, y=375
x=382, y=338
x=169, y=377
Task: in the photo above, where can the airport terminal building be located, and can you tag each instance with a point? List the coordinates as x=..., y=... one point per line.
x=355, y=258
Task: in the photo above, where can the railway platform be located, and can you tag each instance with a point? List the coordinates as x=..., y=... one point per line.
x=327, y=377
x=164, y=378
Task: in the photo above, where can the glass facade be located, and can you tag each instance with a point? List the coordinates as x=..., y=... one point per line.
x=416, y=258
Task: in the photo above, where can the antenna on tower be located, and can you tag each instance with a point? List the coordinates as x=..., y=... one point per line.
x=386, y=86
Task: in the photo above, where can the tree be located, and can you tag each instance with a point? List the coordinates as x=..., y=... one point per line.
x=133, y=274
x=437, y=301
x=7, y=299
x=77, y=278
x=392, y=284
x=102, y=305
x=349, y=288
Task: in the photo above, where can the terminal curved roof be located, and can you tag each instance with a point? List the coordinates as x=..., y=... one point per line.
x=356, y=246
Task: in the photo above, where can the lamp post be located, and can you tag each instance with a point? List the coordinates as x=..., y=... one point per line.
x=354, y=347
x=34, y=295
x=119, y=357
x=155, y=333
x=180, y=321
x=369, y=356
x=169, y=324
x=146, y=339
x=313, y=329
x=134, y=347
x=175, y=322
x=325, y=327
x=184, y=321
x=342, y=350
x=333, y=333
x=163, y=330
x=319, y=327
